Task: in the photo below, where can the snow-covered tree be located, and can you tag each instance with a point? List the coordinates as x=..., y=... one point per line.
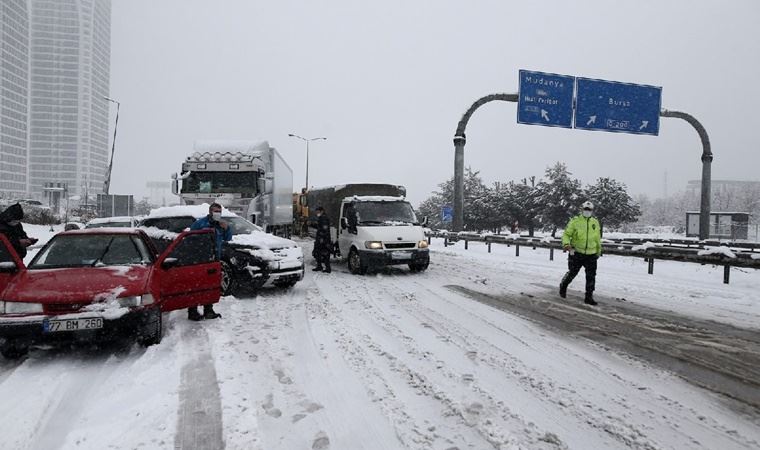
x=612, y=204
x=476, y=210
x=559, y=197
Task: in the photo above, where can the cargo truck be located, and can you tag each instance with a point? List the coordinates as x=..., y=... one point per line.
x=249, y=178
x=373, y=225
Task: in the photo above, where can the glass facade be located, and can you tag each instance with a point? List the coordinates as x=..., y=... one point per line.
x=69, y=75
x=14, y=95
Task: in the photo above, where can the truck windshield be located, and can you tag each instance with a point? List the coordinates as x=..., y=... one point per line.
x=384, y=213
x=220, y=182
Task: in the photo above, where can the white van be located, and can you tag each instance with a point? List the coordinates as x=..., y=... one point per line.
x=373, y=225
x=377, y=231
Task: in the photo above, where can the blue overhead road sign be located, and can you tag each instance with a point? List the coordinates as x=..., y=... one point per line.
x=545, y=99
x=614, y=106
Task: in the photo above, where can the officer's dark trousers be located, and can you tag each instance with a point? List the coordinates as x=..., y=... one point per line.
x=574, y=264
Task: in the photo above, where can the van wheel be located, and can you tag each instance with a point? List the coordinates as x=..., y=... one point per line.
x=229, y=282
x=355, y=265
x=414, y=267
x=153, y=330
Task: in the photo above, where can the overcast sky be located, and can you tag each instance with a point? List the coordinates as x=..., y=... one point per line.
x=387, y=81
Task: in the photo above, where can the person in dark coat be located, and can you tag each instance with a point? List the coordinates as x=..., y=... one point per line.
x=10, y=226
x=322, y=243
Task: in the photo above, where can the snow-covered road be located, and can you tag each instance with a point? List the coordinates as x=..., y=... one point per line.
x=399, y=361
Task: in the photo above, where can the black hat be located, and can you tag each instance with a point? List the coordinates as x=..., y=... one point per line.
x=13, y=212
x=319, y=208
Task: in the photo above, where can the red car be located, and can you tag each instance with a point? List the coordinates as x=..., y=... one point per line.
x=102, y=283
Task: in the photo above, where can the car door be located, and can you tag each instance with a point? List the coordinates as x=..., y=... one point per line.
x=189, y=272
x=345, y=235
x=10, y=263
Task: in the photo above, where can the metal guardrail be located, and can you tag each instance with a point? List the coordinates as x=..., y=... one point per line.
x=745, y=254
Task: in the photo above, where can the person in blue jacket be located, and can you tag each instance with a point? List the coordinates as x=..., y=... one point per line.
x=222, y=234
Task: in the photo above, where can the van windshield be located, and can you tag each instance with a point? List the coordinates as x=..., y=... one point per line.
x=384, y=213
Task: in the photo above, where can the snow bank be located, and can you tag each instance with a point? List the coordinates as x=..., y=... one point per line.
x=725, y=251
x=646, y=245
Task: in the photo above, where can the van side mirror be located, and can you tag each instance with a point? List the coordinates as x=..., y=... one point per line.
x=262, y=185
x=175, y=185
x=343, y=223
x=169, y=263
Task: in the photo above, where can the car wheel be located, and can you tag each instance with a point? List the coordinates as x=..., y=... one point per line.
x=10, y=350
x=355, y=265
x=153, y=329
x=229, y=281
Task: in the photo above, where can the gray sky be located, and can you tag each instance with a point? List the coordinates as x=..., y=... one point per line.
x=386, y=82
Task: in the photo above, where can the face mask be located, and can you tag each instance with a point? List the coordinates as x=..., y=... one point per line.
x=587, y=213
x=216, y=216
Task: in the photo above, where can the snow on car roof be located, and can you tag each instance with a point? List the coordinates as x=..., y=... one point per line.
x=196, y=211
x=104, y=230
x=111, y=219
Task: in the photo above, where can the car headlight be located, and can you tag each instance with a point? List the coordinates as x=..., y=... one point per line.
x=422, y=244
x=135, y=300
x=374, y=245
x=20, y=308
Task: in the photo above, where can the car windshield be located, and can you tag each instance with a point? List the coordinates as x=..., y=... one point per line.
x=381, y=212
x=238, y=225
x=92, y=250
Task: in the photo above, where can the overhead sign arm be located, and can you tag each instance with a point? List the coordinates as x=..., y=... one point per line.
x=707, y=157
x=459, y=141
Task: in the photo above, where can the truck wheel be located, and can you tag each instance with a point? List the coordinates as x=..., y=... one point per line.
x=10, y=350
x=414, y=267
x=355, y=265
x=229, y=282
x=153, y=329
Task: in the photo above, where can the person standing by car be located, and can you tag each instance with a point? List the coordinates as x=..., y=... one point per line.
x=583, y=240
x=322, y=242
x=10, y=226
x=222, y=234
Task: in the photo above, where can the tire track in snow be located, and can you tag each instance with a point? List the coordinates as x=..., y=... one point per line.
x=533, y=382
x=199, y=417
x=684, y=413
x=426, y=381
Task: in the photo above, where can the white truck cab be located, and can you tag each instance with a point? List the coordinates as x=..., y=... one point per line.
x=376, y=231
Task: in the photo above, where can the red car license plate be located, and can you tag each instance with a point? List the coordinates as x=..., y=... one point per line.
x=55, y=325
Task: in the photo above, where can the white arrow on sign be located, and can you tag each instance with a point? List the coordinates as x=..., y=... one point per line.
x=591, y=120
x=644, y=124
x=545, y=114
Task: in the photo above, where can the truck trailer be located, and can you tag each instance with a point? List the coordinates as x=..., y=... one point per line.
x=373, y=225
x=249, y=178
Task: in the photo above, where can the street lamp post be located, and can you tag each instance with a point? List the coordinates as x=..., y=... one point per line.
x=107, y=182
x=307, y=152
